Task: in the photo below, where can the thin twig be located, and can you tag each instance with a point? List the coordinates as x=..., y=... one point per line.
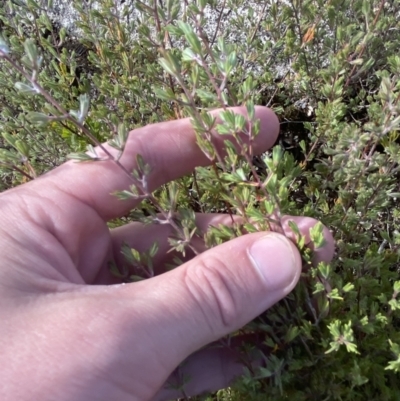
x=94, y=140
x=14, y=167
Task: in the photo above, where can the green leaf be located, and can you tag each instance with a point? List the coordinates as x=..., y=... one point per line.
x=31, y=52
x=291, y=333
x=240, y=122
x=33, y=4
x=136, y=255
x=316, y=235
x=168, y=67
x=293, y=226
x=318, y=287
x=224, y=130
x=164, y=94
x=269, y=207
x=143, y=168
x=348, y=287
x=7, y=156
x=342, y=335
x=3, y=46
x=84, y=103
x=135, y=278
x=394, y=365
x=171, y=64
x=123, y=133
x=190, y=36
x=22, y=147
x=174, y=30
x=10, y=139
x=271, y=183
x=357, y=61
x=26, y=89
x=277, y=155
x=153, y=249
x=324, y=269
x=38, y=118
x=80, y=157
x=173, y=190
x=189, y=55
x=125, y=195
x=228, y=117
x=250, y=110
x=366, y=8
x=206, y=96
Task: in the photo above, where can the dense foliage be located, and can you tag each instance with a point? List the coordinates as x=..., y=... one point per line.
x=329, y=69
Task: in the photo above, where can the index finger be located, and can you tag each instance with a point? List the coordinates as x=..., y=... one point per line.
x=170, y=149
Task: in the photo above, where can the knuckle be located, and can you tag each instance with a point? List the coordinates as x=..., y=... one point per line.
x=214, y=288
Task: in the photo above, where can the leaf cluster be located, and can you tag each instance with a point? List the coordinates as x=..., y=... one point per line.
x=329, y=69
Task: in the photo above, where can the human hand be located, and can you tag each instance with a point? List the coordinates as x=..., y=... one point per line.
x=69, y=331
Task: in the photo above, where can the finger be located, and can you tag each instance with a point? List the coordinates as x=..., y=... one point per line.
x=211, y=369
x=324, y=253
x=214, y=294
x=141, y=237
x=208, y=370
x=169, y=148
x=218, y=368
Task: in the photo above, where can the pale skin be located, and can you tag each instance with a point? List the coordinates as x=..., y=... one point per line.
x=69, y=331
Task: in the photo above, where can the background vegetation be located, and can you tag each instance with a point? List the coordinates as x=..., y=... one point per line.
x=329, y=69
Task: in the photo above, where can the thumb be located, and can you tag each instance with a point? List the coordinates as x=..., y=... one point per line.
x=218, y=292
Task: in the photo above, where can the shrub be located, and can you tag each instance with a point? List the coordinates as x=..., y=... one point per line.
x=330, y=70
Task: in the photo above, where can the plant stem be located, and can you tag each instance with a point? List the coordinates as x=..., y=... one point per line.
x=94, y=140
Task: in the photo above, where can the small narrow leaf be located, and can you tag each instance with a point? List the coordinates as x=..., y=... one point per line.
x=80, y=157
x=26, y=89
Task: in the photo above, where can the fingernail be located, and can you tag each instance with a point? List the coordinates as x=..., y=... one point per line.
x=273, y=257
